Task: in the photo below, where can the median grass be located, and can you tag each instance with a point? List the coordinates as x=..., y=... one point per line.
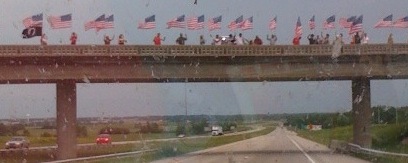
x=165, y=148
x=183, y=146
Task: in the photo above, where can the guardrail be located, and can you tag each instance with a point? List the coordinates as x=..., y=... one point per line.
x=197, y=50
x=358, y=149
x=102, y=156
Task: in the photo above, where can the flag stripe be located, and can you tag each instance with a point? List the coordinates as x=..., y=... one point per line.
x=58, y=22
x=149, y=23
x=195, y=23
x=273, y=24
x=215, y=23
x=177, y=22
x=33, y=21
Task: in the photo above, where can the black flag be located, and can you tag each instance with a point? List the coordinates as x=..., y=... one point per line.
x=32, y=32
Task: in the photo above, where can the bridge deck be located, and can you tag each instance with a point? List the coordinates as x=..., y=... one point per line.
x=196, y=50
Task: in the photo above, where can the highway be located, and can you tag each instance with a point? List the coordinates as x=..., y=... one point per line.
x=280, y=146
x=94, y=145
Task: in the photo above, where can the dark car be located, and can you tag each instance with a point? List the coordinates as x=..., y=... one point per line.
x=104, y=139
x=18, y=142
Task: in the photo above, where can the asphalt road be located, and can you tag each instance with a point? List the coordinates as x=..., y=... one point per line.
x=280, y=146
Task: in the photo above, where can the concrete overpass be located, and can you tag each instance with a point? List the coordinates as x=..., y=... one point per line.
x=68, y=65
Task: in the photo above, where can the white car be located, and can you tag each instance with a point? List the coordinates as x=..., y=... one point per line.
x=17, y=142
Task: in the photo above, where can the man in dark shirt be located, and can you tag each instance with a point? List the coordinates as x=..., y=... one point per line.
x=357, y=38
x=257, y=41
x=181, y=40
x=311, y=39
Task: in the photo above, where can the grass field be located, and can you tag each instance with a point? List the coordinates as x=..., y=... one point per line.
x=166, y=149
x=346, y=134
x=183, y=146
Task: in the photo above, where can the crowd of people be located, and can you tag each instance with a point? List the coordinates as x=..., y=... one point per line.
x=357, y=38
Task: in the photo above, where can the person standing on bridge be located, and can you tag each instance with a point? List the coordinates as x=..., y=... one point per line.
x=217, y=40
x=181, y=40
x=257, y=41
x=365, y=38
x=121, y=40
x=240, y=40
x=202, y=40
x=272, y=40
x=326, y=39
x=357, y=38
x=43, y=39
x=311, y=39
x=390, y=39
x=296, y=40
x=73, y=38
x=107, y=40
x=157, y=40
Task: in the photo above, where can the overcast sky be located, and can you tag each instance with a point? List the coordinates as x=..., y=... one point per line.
x=140, y=99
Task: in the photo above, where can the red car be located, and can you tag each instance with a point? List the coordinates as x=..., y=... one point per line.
x=104, y=139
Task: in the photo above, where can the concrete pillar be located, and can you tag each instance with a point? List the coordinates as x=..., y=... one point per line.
x=66, y=119
x=361, y=112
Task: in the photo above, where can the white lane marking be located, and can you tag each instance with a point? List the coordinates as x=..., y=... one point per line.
x=297, y=145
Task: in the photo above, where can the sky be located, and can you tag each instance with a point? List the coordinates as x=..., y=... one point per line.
x=143, y=99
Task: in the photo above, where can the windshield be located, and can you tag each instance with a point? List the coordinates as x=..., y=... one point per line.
x=204, y=81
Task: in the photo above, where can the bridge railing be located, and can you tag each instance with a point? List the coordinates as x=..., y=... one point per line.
x=197, y=50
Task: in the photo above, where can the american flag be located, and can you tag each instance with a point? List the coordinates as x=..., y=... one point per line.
x=357, y=25
x=312, y=24
x=248, y=24
x=195, y=23
x=98, y=23
x=401, y=23
x=64, y=21
x=33, y=21
x=215, y=23
x=329, y=23
x=177, y=22
x=347, y=22
x=386, y=22
x=237, y=23
x=298, y=28
x=149, y=23
x=109, y=22
x=273, y=24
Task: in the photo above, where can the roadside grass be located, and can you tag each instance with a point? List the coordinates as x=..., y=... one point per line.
x=37, y=140
x=381, y=140
x=166, y=148
x=49, y=155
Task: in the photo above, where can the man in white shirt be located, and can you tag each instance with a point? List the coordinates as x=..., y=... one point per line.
x=365, y=38
x=240, y=40
x=217, y=40
x=272, y=40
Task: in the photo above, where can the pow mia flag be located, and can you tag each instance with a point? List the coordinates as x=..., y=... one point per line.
x=31, y=32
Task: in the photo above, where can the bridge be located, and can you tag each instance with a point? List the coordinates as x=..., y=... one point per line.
x=68, y=65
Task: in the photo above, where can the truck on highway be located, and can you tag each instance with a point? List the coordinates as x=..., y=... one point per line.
x=216, y=130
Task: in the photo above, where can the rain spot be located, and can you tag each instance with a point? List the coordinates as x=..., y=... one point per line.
x=358, y=99
x=42, y=70
x=86, y=79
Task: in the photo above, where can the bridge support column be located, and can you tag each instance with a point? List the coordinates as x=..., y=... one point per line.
x=361, y=112
x=66, y=120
